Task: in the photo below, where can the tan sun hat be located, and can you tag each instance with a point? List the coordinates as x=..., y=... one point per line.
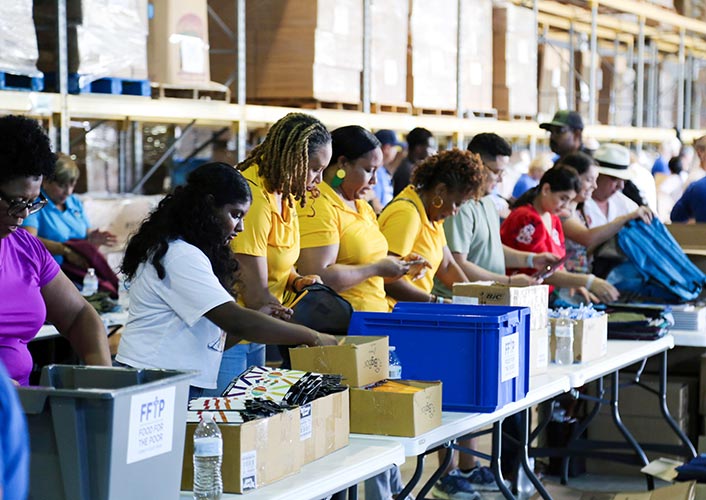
x=613, y=160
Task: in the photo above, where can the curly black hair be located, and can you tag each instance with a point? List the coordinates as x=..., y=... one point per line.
x=25, y=150
x=190, y=214
x=461, y=171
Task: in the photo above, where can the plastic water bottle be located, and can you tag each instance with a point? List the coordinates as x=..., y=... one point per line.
x=564, y=333
x=208, y=455
x=395, y=365
x=123, y=294
x=90, y=283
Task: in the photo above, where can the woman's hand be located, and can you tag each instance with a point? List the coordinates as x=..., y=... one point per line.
x=604, y=291
x=300, y=282
x=418, y=266
x=325, y=339
x=96, y=237
x=523, y=280
x=542, y=260
x=643, y=213
x=276, y=310
x=392, y=267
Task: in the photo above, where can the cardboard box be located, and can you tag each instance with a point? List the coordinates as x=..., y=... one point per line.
x=325, y=425
x=177, y=46
x=255, y=453
x=388, y=51
x=539, y=351
x=689, y=236
x=360, y=360
x=483, y=293
x=590, y=338
x=397, y=414
x=476, y=54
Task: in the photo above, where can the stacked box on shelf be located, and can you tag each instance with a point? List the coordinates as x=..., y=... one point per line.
x=616, y=97
x=18, y=57
x=554, y=79
x=582, y=61
x=514, y=62
x=178, y=43
x=304, y=50
x=668, y=70
x=388, y=76
x=431, y=60
x=480, y=353
x=105, y=40
x=476, y=53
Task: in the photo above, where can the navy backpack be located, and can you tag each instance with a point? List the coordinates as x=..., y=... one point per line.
x=655, y=267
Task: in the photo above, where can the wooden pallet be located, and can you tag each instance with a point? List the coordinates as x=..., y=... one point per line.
x=217, y=93
x=432, y=111
x=517, y=116
x=308, y=104
x=402, y=108
x=486, y=113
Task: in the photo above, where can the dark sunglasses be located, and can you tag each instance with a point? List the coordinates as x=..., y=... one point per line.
x=16, y=207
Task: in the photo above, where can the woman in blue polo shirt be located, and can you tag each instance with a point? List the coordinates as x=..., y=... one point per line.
x=63, y=218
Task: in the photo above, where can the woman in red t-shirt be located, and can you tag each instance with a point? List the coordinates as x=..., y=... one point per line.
x=534, y=226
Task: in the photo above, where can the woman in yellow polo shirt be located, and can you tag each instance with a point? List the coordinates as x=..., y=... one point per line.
x=412, y=221
x=340, y=238
x=280, y=171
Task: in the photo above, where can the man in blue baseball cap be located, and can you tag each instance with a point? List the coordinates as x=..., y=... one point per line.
x=393, y=152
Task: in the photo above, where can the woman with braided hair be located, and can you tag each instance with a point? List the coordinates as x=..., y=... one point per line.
x=280, y=171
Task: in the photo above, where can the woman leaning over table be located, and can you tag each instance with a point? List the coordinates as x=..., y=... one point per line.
x=280, y=172
x=412, y=221
x=32, y=287
x=181, y=271
x=534, y=226
x=340, y=237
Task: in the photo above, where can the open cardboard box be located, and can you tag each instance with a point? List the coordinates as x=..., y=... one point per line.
x=361, y=360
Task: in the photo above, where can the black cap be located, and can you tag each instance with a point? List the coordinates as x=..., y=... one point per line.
x=564, y=118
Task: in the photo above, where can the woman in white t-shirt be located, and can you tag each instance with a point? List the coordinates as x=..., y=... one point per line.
x=180, y=269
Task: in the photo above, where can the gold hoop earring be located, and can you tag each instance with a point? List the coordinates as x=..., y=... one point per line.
x=338, y=178
x=437, y=201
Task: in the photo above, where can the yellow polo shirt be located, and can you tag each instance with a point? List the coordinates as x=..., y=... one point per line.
x=408, y=229
x=327, y=220
x=267, y=233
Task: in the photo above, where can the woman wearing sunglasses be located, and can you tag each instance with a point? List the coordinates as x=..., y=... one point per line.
x=32, y=287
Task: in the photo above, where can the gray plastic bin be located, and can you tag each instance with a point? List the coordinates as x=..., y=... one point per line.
x=106, y=433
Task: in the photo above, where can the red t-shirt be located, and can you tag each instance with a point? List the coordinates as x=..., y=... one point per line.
x=524, y=230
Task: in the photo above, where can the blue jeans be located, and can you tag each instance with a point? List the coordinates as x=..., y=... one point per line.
x=234, y=362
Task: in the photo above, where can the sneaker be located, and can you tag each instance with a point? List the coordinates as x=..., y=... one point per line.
x=479, y=478
x=454, y=487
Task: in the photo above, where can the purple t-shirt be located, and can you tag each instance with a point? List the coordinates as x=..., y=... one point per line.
x=25, y=267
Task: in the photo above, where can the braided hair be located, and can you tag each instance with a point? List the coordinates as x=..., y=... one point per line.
x=283, y=157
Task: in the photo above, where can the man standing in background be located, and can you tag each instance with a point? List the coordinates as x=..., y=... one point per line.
x=420, y=145
x=393, y=153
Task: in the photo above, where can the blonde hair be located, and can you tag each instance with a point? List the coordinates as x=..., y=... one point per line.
x=66, y=171
x=283, y=157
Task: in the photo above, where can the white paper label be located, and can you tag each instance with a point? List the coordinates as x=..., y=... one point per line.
x=248, y=470
x=509, y=357
x=150, y=430
x=208, y=447
x=390, y=73
x=192, y=54
x=460, y=299
x=306, y=420
x=340, y=20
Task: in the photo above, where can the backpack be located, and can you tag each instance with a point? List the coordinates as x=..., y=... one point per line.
x=656, y=266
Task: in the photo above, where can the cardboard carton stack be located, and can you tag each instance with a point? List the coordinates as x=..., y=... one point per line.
x=431, y=62
x=514, y=62
x=388, y=78
x=535, y=297
x=618, y=87
x=590, y=338
x=105, y=39
x=477, y=56
x=377, y=406
x=554, y=79
x=304, y=50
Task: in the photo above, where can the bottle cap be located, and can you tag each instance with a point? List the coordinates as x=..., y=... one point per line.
x=207, y=416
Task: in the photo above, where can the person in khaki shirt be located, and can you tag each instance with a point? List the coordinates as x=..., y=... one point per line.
x=280, y=171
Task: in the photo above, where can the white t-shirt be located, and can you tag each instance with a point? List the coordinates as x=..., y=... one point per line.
x=166, y=327
x=618, y=205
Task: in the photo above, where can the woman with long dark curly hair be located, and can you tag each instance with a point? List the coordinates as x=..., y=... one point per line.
x=413, y=220
x=181, y=271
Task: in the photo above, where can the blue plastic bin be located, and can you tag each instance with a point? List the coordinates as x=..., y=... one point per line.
x=464, y=346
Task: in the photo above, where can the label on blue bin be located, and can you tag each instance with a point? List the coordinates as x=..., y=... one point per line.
x=151, y=424
x=509, y=357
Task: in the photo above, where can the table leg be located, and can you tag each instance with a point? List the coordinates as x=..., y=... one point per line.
x=342, y=495
x=665, y=411
x=524, y=456
x=496, y=456
x=435, y=476
x=352, y=493
x=415, y=477
x=615, y=413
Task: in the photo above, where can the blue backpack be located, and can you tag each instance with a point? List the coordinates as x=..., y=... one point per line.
x=656, y=266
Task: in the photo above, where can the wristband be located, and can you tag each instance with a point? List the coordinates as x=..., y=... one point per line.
x=589, y=281
x=530, y=260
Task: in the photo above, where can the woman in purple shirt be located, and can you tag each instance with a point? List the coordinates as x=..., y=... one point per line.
x=32, y=287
